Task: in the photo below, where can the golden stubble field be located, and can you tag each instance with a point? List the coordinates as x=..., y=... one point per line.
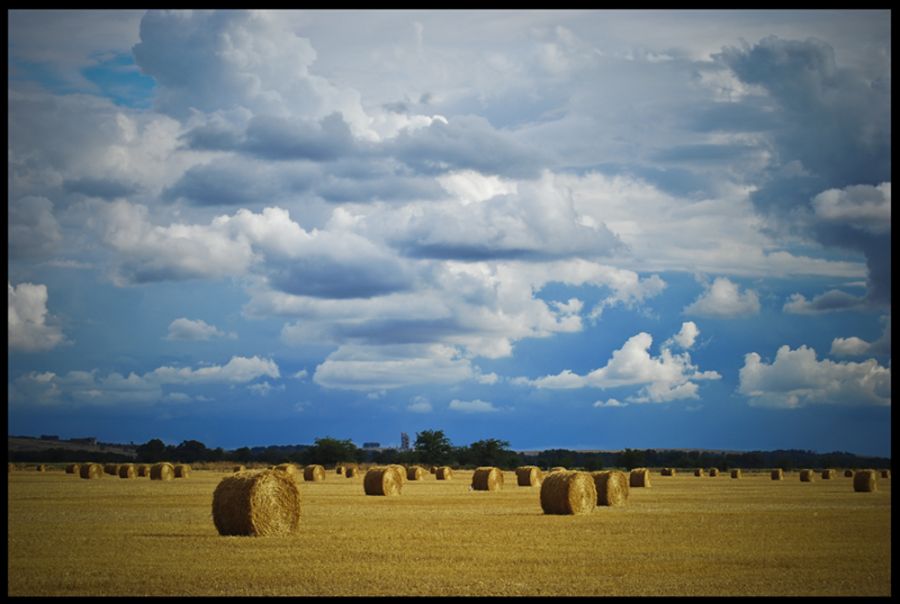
x=685, y=535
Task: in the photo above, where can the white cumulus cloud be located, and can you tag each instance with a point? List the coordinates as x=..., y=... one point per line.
x=723, y=299
x=28, y=330
x=188, y=329
x=475, y=406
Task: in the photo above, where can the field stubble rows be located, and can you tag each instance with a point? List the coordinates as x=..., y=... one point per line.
x=685, y=535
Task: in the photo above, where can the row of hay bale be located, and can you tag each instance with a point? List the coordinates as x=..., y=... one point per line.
x=158, y=471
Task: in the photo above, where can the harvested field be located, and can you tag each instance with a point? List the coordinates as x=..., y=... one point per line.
x=755, y=533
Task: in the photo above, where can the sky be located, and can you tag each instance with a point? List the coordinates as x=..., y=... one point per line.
x=580, y=229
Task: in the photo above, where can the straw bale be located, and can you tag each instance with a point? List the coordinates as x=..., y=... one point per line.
x=639, y=477
x=258, y=504
x=777, y=474
x=237, y=469
x=401, y=471
x=668, y=472
x=91, y=471
x=415, y=473
x=807, y=476
x=40, y=468
x=73, y=468
x=340, y=469
x=828, y=474
x=351, y=471
x=127, y=470
x=848, y=473
x=314, y=473
x=558, y=469
x=443, y=473
x=112, y=469
x=864, y=481
x=568, y=492
x=714, y=472
x=698, y=472
x=290, y=469
x=382, y=480
x=736, y=473
x=487, y=478
x=182, y=470
x=885, y=473
x=528, y=476
x=612, y=487
x=162, y=471
x=432, y=469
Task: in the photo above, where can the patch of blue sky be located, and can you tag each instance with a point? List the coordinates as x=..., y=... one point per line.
x=119, y=79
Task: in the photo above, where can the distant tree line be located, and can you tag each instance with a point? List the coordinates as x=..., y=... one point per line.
x=432, y=447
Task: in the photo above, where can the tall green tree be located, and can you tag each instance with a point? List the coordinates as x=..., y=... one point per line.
x=491, y=452
x=432, y=447
x=151, y=451
x=329, y=451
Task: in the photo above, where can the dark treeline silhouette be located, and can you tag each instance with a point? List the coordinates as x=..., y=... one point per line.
x=432, y=447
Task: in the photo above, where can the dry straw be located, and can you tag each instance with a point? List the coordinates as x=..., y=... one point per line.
x=828, y=474
x=432, y=469
x=558, y=469
x=144, y=470
x=639, y=477
x=736, y=473
x=415, y=473
x=162, y=471
x=443, y=473
x=528, y=476
x=257, y=504
x=314, y=473
x=382, y=480
x=864, y=481
x=237, y=469
x=807, y=476
x=401, y=471
x=290, y=469
x=182, y=471
x=714, y=472
x=668, y=472
x=487, y=478
x=112, y=469
x=848, y=473
x=91, y=471
x=340, y=469
x=73, y=468
x=612, y=487
x=777, y=474
x=885, y=473
x=568, y=493
x=698, y=472
x=127, y=470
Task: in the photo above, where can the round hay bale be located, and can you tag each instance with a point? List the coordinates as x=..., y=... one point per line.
x=351, y=471
x=340, y=469
x=40, y=468
x=714, y=472
x=257, y=504
x=885, y=473
x=668, y=472
x=290, y=469
x=314, y=473
x=864, y=481
x=848, y=473
x=568, y=493
x=382, y=480
x=558, y=469
x=73, y=468
x=698, y=472
x=432, y=469
x=182, y=470
x=828, y=474
x=777, y=474
x=736, y=473
x=443, y=473
x=237, y=469
x=162, y=471
x=112, y=469
x=415, y=473
x=127, y=470
x=612, y=487
x=91, y=471
x=528, y=476
x=487, y=478
x=807, y=476
x=401, y=471
x=144, y=470
x=639, y=477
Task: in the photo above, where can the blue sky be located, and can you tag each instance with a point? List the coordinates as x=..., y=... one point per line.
x=581, y=229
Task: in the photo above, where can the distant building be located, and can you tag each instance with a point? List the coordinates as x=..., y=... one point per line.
x=371, y=445
x=404, y=441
